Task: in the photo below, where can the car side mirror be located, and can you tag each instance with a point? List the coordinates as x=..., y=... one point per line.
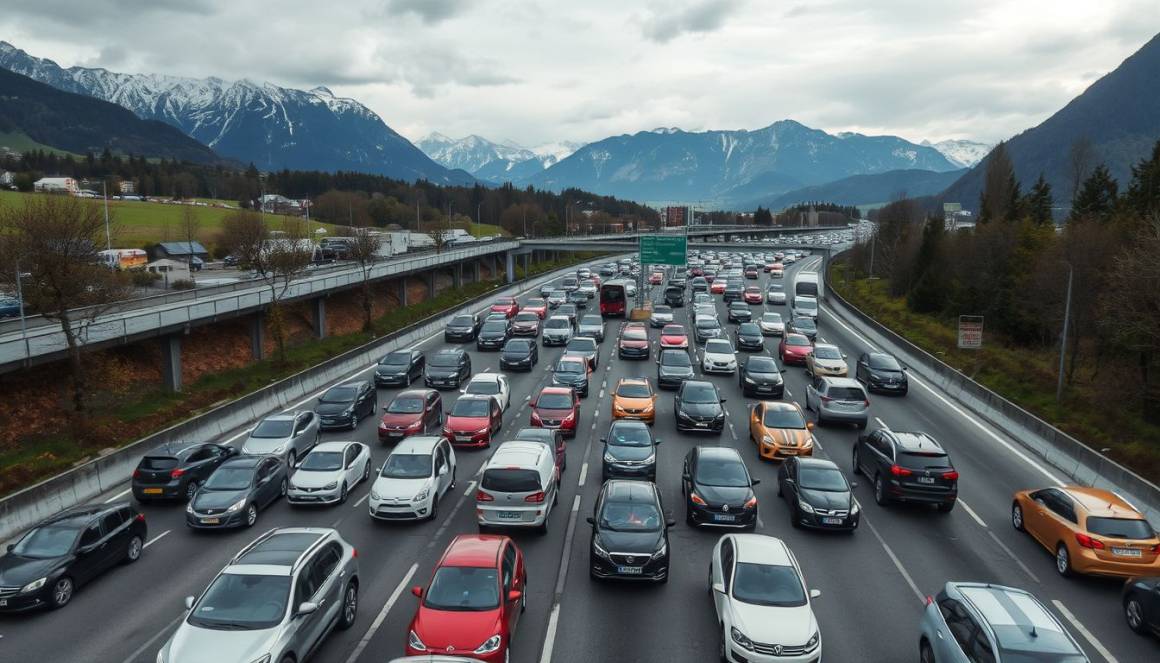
x=815, y=593
x=843, y=355
x=604, y=440
x=722, y=401
x=306, y=608
x=189, y=602
x=590, y=520
x=853, y=485
x=670, y=522
x=719, y=587
x=442, y=470
x=905, y=368
x=657, y=441
x=514, y=595
x=10, y=547
x=685, y=476
x=754, y=482
x=379, y=469
x=417, y=591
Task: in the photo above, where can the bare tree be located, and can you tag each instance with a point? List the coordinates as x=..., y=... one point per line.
x=364, y=251
x=56, y=240
x=190, y=224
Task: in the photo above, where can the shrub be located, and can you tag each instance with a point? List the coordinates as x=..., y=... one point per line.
x=144, y=279
x=182, y=284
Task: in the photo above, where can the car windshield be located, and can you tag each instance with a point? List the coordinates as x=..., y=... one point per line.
x=673, y=330
x=571, y=367
x=396, y=359
x=463, y=588
x=554, y=401
x=536, y=302
x=630, y=517
x=884, y=363
x=462, y=321
x=699, y=393
x=470, y=407
x=804, y=325
x=718, y=346
x=629, y=435
x=761, y=365
x=777, y=418
x=403, y=405
x=796, y=339
x=444, y=361
x=558, y=323
x=322, y=461
x=776, y=287
x=707, y=323
x=823, y=352
x=828, y=479
x=527, y=317
x=230, y=478
x=1120, y=528
x=675, y=359
x=593, y=320
x=557, y=294
x=242, y=602
x=47, y=542
x=495, y=326
x=772, y=318
x=846, y=394
x=768, y=585
x=635, y=334
x=272, y=428
x=407, y=466
x=633, y=390
x=339, y=395
x=748, y=329
x=518, y=345
x=728, y=472
x=662, y=308
x=580, y=345
x=485, y=387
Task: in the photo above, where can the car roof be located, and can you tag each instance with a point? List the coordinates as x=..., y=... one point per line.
x=179, y=448
x=417, y=444
x=761, y=549
x=284, y=416
x=781, y=406
x=516, y=452
x=556, y=390
x=830, y=346
x=243, y=461
x=78, y=516
x=487, y=377
x=1099, y=502
x=1019, y=621
x=629, y=423
x=842, y=382
x=415, y=393
x=810, y=461
x=278, y=548
x=475, y=397
x=559, y=317
x=632, y=380
x=915, y=441
x=449, y=351
x=332, y=445
x=627, y=490
x=719, y=453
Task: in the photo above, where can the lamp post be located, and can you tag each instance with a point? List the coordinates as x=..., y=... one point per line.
x=20, y=276
x=478, y=220
x=1063, y=339
x=108, y=234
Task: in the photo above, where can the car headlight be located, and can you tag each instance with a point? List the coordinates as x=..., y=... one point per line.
x=809, y=441
x=740, y=638
x=814, y=640
x=855, y=508
x=422, y=495
x=189, y=507
x=414, y=641
x=262, y=659
x=236, y=506
x=330, y=486
x=599, y=549
x=609, y=458
x=161, y=655
x=489, y=645
x=749, y=380
x=661, y=552
x=652, y=458
x=805, y=507
x=765, y=439
x=33, y=586
x=375, y=496
x=347, y=412
x=277, y=450
x=483, y=430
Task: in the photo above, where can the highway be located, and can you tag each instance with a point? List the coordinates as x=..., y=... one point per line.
x=873, y=582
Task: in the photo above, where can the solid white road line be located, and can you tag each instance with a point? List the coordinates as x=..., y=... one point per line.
x=971, y=512
x=894, y=558
x=118, y=496
x=1096, y=644
x=149, y=643
x=1010, y=554
x=470, y=487
x=881, y=423
x=583, y=474
x=156, y=538
x=360, y=501
x=382, y=616
x=550, y=638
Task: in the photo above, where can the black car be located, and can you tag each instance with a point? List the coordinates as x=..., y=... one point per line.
x=881, y=372
x=519, y=354
x=804, y=326
x=673, y=367
x=734, y=291
x=494, y=333
x=738, y=311
x=629, y=451
x=579, y=298
x=675, y=296
x=817, y=494
x=526, y=323
x=235, y=493
x=447, y=369
x=697, y=407
x=462, y=327
x=44, y=567
x=401, y=367
x=175, y=470
x=907, y=467
x=678, y=281
x=344, y=405
x=1141, y=601
x=718, y=489
x=571, y=372
x=759, y=376
x=630, y=537
x=749, y=337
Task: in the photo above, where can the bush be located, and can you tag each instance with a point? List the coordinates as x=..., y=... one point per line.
x=144, y=279
x=182, y=284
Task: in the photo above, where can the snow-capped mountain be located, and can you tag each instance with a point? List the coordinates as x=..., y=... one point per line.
x=494, y=162
x=273, y=127
x=962, y=153
x=670, y=164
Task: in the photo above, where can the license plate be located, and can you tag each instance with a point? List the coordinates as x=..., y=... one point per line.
x=508, y=515
x=3, y=603
x=463, y=438
x=1127, y=552
x=789, y=452
x=702, y=425
x=724, y=518
x=395, y=433
x=629, y=570
x=926, y=479
x=210, y=521
x=152, y=491
x=831, y=521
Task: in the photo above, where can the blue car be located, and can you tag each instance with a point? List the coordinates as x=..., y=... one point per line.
x=9, y=307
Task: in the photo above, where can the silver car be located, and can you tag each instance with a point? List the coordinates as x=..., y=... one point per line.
x=289, y=436
x=838, y=400
x=662, y=314
x=591, y=325
x=276, y=600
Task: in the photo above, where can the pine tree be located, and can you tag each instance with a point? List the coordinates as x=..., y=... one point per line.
x=1097, y=197
x=1037, y=203
x=1143, y=194
x=929, y=291
x=999, y=200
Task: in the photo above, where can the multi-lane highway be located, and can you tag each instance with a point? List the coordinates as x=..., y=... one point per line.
x=873, y=582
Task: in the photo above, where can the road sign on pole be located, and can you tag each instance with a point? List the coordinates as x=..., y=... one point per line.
x=663, y=250
x=970, y=332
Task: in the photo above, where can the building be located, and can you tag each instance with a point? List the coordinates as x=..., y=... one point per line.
x=128, y=187
x=7, y=178
x=675, y=216
x=56, y=185
x=170, y=270
x=180, y=251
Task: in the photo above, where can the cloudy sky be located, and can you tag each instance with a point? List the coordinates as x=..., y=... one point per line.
x=537, y=71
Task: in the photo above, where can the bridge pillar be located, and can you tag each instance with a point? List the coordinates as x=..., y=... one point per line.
x=457, y=275
x=171, y=362
x=475, y=264
x=318, y=307
x=257, y=334
x=430, y=283
x=509, y=258
x=403, y=292
x=527, y=264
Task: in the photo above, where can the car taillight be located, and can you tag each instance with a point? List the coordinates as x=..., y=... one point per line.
x=696, y=499
x=536, y=497
x=866, y=402
x=481, y=496
x=136, y=474
x=354, y=553
x=176, y=474
x=1155, y=550
x=952, y=475
x=900, y=471
x=140, y=518
x=536, y=418
x=929, y=599
x=1088, y=542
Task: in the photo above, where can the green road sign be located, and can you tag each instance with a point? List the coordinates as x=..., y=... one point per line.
x=663, y=250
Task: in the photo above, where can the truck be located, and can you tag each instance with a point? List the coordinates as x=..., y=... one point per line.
x=123, y=258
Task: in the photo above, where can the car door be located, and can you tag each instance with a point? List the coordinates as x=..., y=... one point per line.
x=953, y=636
x=755, y=416
x=724, y=576
x=687, y=473
x=788, y=477
x=115, y=528
x=496, y=416
x=202, y=461
x=1057, y=518
x=352, y=470
x=511, y=582
x=504, y=392
x=442, y=467
x=307, y=629
x=267, y=482
x=92, y=554
x=417, y=364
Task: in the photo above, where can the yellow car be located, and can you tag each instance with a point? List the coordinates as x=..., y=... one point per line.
x=828, y=360
x=634, y=398
x=780, y=429
x=1089, y=530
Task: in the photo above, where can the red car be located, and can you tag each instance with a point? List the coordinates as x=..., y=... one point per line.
x=506, y=305
x=656, y=278
x=411, y=412
x=633, y=341
x=770, y=265
x=595, y=278
x=794, y=348
x=556, y=407
x=473, y=604
x=674, y=336
x=717, y=287
x=537, y=306
x=751, y=272
x=473, y=420
x=752, y=295
x=697, y=271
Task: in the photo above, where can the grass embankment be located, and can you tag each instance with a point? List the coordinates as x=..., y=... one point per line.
x=1090, y=411
x=20, y=142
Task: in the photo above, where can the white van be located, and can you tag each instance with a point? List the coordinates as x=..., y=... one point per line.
x=805, y=307
x=518, y=488
x=807, y=284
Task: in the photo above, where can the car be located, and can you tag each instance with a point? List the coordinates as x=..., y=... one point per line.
x=804, y=326
x=880, y=371
x=1091, y=531
x=572, y=371
x=706, y=328
x=44, y=566
x=473, y=421
x=838, y=400
x=491, y=384
x=716, y=286
x=519, y=354
x=775, y=294
x=752, y=294
x=826, y=359
x=578, y=298
x=718, y=489
x=697, y=407
x=718, y=356
x=734, y=291
x=1141, y=608
x=477, y=593
x=699, y=284
x=282, y=594
x=805, y=307
x=794, y=348
x=569, y=311
x=518, y=487
x=674, y=295
x=761, y=601
x=462, y=327
x=634, y=398
x=907, y=467
x=345, y=405
x=990, y=622
x=236, y=491
x=702, y=298
x=400, y=367
x=411, y=412
x=749, y=337
x=418, y=473
x=674, y=366
x=779, y=430
x=174, y=470
x=656, y=278
x=673, y=336
x=752, y=273
x=771, y=324
x=759, y=376
x=556, y=408
x=552, y=438
x=633, y=342
x=629, y=451
x=288, y=435
x=662, y=314
x=447, y=368
x=526, y=323
x=537, y=305
x=704, y=309
x=630, y=533
x=328, y=473
x=817, y=494
x=493, y=334
x=584, y=346
x=509, y=306
x=591, y=326
x=557, y=298
x=557, y=330
x=777, y=270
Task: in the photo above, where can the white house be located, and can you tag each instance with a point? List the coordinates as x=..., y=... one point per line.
x=170, y=270
x=57, y=185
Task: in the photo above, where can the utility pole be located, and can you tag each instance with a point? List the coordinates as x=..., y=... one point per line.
x=108, y=233
x=524, y=209
x=478, y=220
x=20, y=276
x=1063, y=339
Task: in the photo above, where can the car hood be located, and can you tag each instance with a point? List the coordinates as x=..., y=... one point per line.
x=190, y=644
x=631, y=343
x=526, y=324
x=442, y=371
x=830, y=364
x=880, y=373
x=825, y=499
x=720, y=356
x=515, y=354
x=734, y=496
x=17, y=570
x=401, y=418
x=701, y=409
x=547, y=413
x=797, y=350
x=630, y=542
x=263, y=445
x=775, y=625
x=392, y=369
x=466, y=423
x=675, y=370
x=634, y=403
x=557, y=331
x=569, y=378
x=465, y=631
x=400, y=488
x=492, y=335
x=754, y=338
x=315, y=479
x=460, y=328
x=764, y=378
x=675, y=340
x=217, y=499
x=332, y=408
x=625, y=452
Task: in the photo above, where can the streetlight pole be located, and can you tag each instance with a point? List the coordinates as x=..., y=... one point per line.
x=1063, y=339
x=108, y=234
x=20, y=276
x=478, y=218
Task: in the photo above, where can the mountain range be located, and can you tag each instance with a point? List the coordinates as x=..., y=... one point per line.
x=962, y=153
x=864, y=189
x=493, y=162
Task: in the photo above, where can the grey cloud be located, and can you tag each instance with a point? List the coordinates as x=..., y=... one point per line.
x=429, y=11
x=668, y=23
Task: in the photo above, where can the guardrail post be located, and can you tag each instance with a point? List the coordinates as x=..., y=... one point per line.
x=171, y=362
x=319, y=310
x=509, y=258
x=257, y=334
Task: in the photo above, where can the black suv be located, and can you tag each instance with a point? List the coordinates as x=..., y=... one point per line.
x=907, y=467
x=718, y=489
x=675, y=296
x=174, y=470
x=401, y=367
x=45, y=566
x=493, y=334
x=447, y=369
x=881, y=372
x=698, y=407
x=462, y=327
x=630, y=533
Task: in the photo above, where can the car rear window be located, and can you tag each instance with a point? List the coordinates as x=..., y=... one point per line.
x=510, y=480
x=1120, y=528
x=846, y=394
x=158, y=463
x=923, y=460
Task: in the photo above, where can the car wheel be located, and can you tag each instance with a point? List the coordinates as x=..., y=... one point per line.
x=133, y=551
x=1134, y=613
x=191, y=490
x=925, y=653
x=291, y=458
x=434, y=508
x=251, y=514
x=62, y=592
x=408, y=383
x=349, y=606
x=794, y=517
x=366, y=471
x=1017, y=516
x=857, y=468
x=721, y=644
x=282, y=488
x=342, y=494
x=1063, y=560
x=862, y=425
x=880, y=491
x=689, y=514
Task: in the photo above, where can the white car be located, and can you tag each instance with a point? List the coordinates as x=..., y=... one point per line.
x=762, y=603
x=490, y=384
x=704, y=309
x=771, y=324
x=805, y=307
x=288, y=436
x=775, y=295
x=328, y=473
x=718, y=356
x=416, y=475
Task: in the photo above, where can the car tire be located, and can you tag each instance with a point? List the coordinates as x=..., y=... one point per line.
x=880, y=497
x=251, y=514
x=366, y=471
x=342, y=494
x=1017, y=517
x=861, y=425
x=1063, y=560
x=291, y=458
x=721, y=655
x=191, y=489
x=689, y=515
x=925, y=653
x=62, y=592
x=1134, y=614
x=779, y=493
x=349, y=606
x=857, y=468
x=282, y=488
x=134, y=549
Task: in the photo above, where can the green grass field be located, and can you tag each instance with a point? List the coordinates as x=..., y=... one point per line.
x=19, y=142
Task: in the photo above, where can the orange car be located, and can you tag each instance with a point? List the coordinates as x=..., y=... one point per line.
x=1090, y=530
x=634, y=398
x=780, y=429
